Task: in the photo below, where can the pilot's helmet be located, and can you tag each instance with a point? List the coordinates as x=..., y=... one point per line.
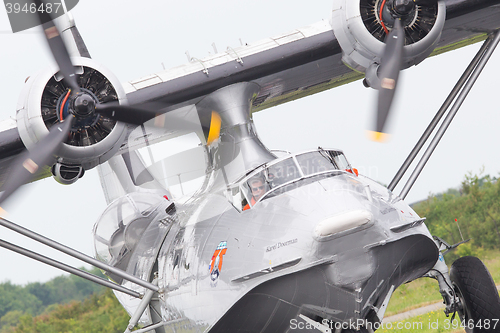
x=256, y=178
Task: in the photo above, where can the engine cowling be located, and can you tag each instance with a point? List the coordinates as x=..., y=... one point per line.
x=93, y=138
x=359, y=30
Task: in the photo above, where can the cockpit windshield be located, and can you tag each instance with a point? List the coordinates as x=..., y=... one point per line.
x=257, y=185
x=122, y=223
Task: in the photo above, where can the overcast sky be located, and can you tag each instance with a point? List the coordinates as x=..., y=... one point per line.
x=134, y=39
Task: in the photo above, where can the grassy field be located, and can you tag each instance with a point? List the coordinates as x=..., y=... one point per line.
x=431, y=322
x=414, y=295
x=425, y=291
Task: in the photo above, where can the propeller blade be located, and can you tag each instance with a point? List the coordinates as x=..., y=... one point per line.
x=210, y=122
x=389, y=72
x=28, y=163
x=125, y=113
x=57, y=46
x=425, y=2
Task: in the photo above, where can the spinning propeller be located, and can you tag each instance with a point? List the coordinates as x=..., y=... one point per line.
x=392, y=12
x=79, y=104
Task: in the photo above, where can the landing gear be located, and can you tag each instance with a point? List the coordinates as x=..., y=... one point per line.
x=479, y=307
x=468, y=290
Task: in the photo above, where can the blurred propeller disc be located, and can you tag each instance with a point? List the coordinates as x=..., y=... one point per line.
x=29, y=163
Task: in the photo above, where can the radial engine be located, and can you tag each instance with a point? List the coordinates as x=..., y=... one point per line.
x=46, y=100
x=361, y=27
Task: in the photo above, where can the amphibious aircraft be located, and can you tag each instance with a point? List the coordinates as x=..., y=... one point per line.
x=324, y=246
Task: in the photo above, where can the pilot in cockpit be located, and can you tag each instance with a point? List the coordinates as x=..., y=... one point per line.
x=258, y=187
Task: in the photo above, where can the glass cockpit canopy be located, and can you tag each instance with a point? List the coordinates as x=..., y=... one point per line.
x=121, y=225
x=287, y=170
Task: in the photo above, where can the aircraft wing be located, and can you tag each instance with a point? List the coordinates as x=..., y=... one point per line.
x=295, y=64
x=286, y=67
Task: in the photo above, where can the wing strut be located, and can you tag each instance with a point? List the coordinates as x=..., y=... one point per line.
x=67, y=268
x=75, y=254
x=437, y=118
x=481, y=58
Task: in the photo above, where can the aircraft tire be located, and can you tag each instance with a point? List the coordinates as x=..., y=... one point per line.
x=478, y=294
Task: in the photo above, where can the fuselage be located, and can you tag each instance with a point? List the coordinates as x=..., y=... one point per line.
x=328, y=245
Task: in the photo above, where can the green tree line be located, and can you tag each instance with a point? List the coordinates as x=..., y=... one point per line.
x=98, y=313
x=36, y=298
x=476, y=208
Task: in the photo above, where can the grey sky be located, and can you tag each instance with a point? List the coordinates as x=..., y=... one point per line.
x=134, y=38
